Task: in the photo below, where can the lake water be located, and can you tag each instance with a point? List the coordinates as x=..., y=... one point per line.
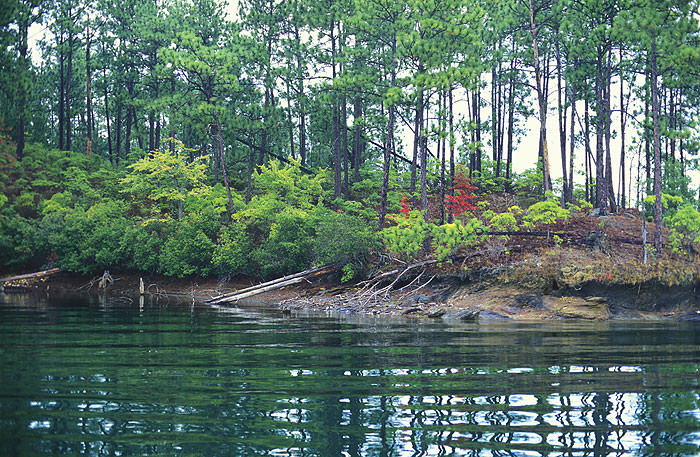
x=79, y=378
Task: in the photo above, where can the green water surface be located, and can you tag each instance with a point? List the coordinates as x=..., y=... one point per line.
x=80, y=378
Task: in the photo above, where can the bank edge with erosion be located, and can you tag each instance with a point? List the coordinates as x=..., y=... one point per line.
x=589, y=267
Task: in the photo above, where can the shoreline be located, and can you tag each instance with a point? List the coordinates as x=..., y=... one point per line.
x=448, y=297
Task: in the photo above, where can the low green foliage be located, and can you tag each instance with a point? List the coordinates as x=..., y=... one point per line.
x=669, y=203
x=230, y=254
x=189, y=249
x=159, y=215
x=545, y=213
x=166, y=179
x=406, y=238
x=447, y=238
x=529, y=184
x=503, y=222
x=89, y=240
x=685, y=229
x=342, y=239
x=288, y=247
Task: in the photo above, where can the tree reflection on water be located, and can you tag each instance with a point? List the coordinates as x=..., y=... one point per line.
x=170, y=380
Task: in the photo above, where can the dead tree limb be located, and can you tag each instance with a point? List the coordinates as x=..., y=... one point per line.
x=272, y=285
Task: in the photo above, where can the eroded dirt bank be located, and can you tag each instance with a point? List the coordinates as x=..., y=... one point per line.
x=533, y=294
x=451, y=299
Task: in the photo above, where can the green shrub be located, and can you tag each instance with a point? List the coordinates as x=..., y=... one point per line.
x=342, y=239
x=529, y=184
x=144, y=239
x=190, y=247
x=103, y=243
x=669, y=203
x=503, y=222
x=288, y=248
x=406, y=238
x=21, y=243
x=88, y=241
x=231, y=252
x=685, y=228
x=447, y=238
x=545, y=213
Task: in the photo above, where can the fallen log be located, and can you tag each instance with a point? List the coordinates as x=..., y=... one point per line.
x=26, y=282
x=271, y=285
x=36, y=275
x=234, y=298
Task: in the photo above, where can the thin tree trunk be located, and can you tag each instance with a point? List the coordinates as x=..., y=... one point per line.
x=389, y=140
x=300, y=89
x=608, y=123
x=423, y=151
x=289, y=116
x=424, y=176
x=588, y=154
x=223, y=162
x=109, y=133
x=87, y=93
x=511, y=111
x=129, y=125
x=452, y=142
x=357, y=135
x=344, y=135
x=542, y=103
x=658, y=209
x=443, y=109
x=472, y=131
x=417, y=125
x=268, y=101
x=572, y=141
x=171, y=120
x=337, y=157
x=647, y=143
x=118, y=131
x=157, y=140
x=251, y=166
x=139, y=137
x=477, y=149
x=601, y=191
x=69, y=77
x=22, y=102
x=623, y=202
x=561, y=117
x=494, y=120
x=61, y=92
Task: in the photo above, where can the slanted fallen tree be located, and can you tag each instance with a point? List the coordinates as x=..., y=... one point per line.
x=272, y=285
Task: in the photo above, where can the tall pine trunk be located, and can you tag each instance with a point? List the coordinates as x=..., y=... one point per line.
x=608, y=123
x=22, y=102
x=658, y=209
x=561, y=117
x=68, y=81
x=541, y=103
x=623, y=119
x=61, y=91
x=357, y=138
x=601, y=188
x=572, y=141
x=223, y=162
x=88, y=108
x=389, y=140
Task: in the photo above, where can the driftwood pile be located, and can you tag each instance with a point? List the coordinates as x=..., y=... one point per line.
x=399, y=291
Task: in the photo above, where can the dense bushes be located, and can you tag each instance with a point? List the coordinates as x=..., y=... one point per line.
x=159, y=215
